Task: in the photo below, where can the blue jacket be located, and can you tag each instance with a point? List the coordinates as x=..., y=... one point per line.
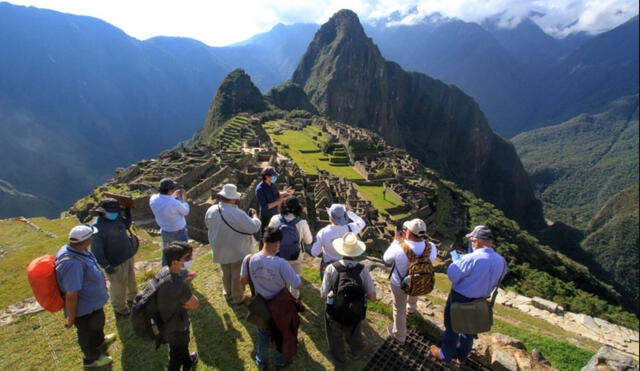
x=111, y=245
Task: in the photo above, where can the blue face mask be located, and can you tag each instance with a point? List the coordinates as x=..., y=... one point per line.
x=470, y=248
x=274, y=179
x=111, y=216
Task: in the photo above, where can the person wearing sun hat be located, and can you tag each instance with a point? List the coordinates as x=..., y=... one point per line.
x=84, y=288
x=230, y=232
x=412, y=235
x=348, y=247
x=339, y=216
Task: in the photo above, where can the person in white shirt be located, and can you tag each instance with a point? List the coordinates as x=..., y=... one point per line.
x=339, y=216
x=169, y=208
x=291, y=212
x=413, y=234
x=230, y=232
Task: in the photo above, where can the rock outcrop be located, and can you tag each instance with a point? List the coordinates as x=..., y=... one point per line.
x=607, y=359
x=289, y=97
x=346, y=78
x=236, y=93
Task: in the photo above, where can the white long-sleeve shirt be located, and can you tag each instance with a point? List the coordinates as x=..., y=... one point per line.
x=229, y=246
x=326, y=235
x=169, y=212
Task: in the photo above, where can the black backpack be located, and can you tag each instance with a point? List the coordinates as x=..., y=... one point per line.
x=145, y=318
x=349, y=304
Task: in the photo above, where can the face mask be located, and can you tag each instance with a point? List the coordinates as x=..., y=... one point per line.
x=470, y=248
x=111, y=216
x=274, y=179
x=187, y=265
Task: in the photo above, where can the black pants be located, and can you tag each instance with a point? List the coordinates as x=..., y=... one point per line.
x=178, y=350
x=90, y=329
x=265, y=223
x=338, y=334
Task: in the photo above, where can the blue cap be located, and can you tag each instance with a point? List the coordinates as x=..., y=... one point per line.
x=338, y=214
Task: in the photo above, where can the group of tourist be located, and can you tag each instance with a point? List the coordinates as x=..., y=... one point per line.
x=272, y=272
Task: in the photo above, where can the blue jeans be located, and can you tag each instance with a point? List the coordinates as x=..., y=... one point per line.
x=455, y=345
x=168, y=237
x=262, y=350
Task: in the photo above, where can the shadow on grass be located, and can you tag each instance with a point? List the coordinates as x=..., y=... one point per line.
x=139, y=354
x=216, y=337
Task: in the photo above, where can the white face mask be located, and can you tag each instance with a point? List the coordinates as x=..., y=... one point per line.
x=187, y=265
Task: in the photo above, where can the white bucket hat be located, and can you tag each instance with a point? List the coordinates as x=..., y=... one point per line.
x=230, y=192
x=349, y=245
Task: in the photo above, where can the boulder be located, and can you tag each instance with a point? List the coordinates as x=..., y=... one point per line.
x=607, y=359
x=539, y=357
x=502, y=360
x=506, y=341
x=545, y=304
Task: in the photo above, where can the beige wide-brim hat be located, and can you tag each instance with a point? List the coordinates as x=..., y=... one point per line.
x=349, y=245
x=230, y=192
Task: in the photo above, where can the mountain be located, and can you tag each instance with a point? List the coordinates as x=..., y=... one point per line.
x=78, y=98
x=347, y=79
x=577, y=166
x=585, y=171
x=613, y=241
x=236, y=93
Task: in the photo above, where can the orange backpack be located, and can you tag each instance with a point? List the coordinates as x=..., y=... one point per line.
x=44, y=284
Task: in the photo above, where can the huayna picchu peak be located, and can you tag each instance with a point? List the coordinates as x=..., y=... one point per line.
x=347, y=79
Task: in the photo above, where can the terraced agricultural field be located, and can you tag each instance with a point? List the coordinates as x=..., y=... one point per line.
x=305, y=151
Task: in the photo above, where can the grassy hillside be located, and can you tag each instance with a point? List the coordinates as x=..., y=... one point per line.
x=220, y=332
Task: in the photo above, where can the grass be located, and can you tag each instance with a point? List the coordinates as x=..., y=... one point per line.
x=219, y=332
x=21, y=243
x=303, y=150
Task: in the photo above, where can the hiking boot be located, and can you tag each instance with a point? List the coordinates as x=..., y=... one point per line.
x=244, y=299
x=390, y=332
x=100, y=362
x=194, y=360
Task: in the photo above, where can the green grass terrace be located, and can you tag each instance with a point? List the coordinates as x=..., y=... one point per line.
x=303, y=147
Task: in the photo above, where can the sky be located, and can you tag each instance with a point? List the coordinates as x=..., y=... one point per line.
x=220, y=22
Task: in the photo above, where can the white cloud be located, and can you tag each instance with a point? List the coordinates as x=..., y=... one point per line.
x=218, y=22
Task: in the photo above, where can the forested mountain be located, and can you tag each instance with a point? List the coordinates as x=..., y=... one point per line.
x=347, y=79
x=585, y=171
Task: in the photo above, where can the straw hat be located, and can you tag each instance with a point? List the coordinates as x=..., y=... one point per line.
x=349, y=245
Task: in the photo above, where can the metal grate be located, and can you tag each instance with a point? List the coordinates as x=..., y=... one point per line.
x=413, y=355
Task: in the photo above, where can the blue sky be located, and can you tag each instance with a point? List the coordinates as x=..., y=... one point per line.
x=220, y=22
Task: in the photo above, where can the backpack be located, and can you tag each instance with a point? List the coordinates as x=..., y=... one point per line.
x=44, y=283
x=290, y=244
x=349, y=304
x=145, y=318
x=420, y=278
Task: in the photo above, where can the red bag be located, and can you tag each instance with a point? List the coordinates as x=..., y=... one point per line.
x=42, y=278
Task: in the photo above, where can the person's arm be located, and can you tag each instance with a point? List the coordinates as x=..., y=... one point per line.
x=434, y=252
x=316, y=249
x=458, y=270
x=275, y=203
x=307, y=237
x=358, y=223
x=368, y=284
x=97, y=248
x=290, y=277
x=127, y=218
x=327, y=281
x=244, y=273
x=71, y=304
x=389, y=255
x=182, y=207
x=247, y=224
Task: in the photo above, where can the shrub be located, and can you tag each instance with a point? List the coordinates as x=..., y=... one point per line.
x=384, y=173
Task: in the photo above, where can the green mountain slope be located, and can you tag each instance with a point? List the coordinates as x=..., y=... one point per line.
x=577, y=166
x=613, y=240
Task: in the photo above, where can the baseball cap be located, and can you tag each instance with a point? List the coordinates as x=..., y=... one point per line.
x=481, y=232
x=338, y=214
x=417, y=226
x=269, y=170
x=82, y=232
